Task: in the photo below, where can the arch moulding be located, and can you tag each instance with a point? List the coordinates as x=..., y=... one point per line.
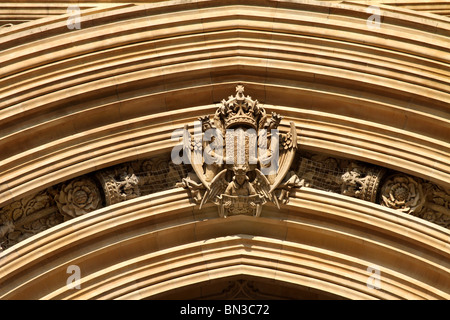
x=87, y=118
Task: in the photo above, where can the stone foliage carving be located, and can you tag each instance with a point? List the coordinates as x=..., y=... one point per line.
x=31, y=215
x=402, y=192
x=26, y=217
x=78, y=197
x=417, y=197
x=437, y=207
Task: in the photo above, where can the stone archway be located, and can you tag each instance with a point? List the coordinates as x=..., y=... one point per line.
x=79, y=107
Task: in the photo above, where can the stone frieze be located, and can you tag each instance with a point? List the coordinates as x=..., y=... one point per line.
x=237, y=160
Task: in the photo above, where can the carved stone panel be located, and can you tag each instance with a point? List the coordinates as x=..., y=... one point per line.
x=157, y=174
x=26, y=217
x=402, y=192
x=78, y=196
x=239, y=159
x=417, y=197
x=437, y=206
x=350, y=178
x=119, y=184
x=361, y=182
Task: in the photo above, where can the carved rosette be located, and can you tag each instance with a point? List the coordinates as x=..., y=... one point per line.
x=26, y=217
x=402, y=192
x=78, y=197
x=36, y=213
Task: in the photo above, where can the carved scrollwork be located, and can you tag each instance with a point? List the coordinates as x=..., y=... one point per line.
x=437, y=206
x=26, y=217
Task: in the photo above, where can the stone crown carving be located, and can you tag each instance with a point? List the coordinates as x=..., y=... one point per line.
x=240, y=111
x=244, y=184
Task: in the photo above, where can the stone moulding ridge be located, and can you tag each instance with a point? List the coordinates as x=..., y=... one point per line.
x=199, y=228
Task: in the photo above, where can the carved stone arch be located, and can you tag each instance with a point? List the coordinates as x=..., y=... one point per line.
x=77, y=103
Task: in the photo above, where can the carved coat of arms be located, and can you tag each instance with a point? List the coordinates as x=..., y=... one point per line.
x=239, y=157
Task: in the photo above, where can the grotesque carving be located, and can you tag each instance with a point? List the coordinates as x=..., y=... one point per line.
x=240, y=159
x=290, y=182
x=194, y=185
x=128, y=186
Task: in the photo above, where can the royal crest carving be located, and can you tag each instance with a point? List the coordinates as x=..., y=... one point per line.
x=239, y=158
x=240, y=195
